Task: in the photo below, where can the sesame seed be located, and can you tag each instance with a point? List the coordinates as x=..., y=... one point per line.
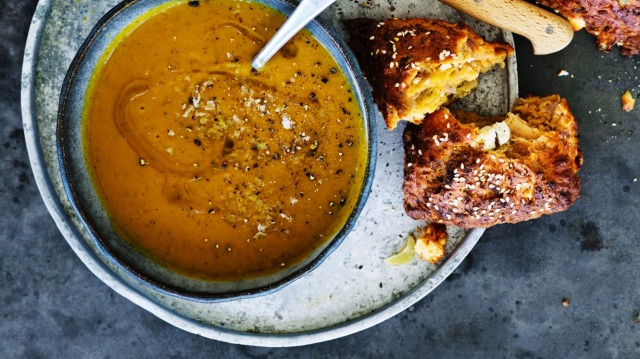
x=372, y=37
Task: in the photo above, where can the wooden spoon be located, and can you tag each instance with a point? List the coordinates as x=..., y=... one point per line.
x=547, y=32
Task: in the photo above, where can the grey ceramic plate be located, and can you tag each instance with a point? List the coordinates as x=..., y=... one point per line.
x=352, y=290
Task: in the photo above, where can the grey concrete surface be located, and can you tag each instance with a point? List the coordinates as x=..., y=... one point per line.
x=505, y=301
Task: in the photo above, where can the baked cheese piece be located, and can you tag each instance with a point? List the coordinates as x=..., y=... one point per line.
x=417, y=65
x=469, y=171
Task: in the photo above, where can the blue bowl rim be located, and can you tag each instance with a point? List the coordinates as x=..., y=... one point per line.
x=369, y=113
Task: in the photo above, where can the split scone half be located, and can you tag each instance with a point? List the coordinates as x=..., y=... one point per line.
x=470, y=171
x=417, y=65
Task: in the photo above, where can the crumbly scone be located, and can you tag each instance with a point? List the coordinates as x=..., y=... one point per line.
x=611, y=21
x=416, y=65
x=471, y=171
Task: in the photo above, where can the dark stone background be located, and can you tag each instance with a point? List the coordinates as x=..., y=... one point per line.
x=505, y=300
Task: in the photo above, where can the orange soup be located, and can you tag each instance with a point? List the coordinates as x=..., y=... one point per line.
x=209, y=167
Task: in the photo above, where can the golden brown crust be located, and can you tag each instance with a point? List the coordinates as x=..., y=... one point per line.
x=399, y=55
x=449, y=181
x=611, y=21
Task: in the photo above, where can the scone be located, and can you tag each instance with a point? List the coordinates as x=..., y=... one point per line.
x=470, y=171
x=612, y=22
x=416, y=65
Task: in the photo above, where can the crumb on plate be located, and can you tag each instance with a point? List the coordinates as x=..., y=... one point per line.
x=430, y=244
x=628, y=102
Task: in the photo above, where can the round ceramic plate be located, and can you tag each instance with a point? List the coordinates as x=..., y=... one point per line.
x=353, y=289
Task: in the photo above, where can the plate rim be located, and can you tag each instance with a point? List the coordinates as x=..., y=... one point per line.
x=102, y=272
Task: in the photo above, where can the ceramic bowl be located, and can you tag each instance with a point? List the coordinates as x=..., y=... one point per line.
x=117, y=253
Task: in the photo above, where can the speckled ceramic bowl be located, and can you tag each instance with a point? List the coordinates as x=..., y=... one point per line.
x=119, y=253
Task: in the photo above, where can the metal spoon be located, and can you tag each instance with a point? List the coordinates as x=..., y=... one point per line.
x=547, y=32
x=305, y=12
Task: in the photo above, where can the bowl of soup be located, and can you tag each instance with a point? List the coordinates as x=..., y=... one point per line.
x=198, y=176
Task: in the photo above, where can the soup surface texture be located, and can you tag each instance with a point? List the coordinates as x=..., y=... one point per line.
x=209, y=167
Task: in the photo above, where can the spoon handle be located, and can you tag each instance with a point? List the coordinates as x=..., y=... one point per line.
x=547, y=32
x=305, y=12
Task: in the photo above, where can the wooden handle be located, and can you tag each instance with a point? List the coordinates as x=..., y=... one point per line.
x=547, y=32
